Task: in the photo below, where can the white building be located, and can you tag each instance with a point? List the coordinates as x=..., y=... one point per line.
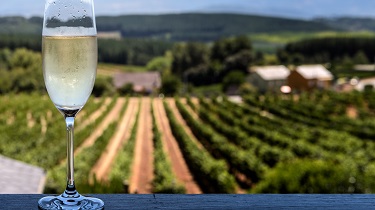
x=268, y=78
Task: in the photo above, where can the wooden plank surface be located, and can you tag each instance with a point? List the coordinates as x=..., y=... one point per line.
x=163, y=201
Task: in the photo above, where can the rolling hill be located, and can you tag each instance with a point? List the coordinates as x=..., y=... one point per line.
x=178, y=27
x=349, y=23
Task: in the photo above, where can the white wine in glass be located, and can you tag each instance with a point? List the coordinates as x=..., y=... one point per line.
x=69, y=70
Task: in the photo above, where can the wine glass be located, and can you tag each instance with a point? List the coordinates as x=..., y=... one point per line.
x=69, y=70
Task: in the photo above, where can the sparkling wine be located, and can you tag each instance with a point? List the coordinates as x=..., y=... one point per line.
x=69, y=69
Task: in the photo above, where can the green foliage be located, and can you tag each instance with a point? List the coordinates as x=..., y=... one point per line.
x=160, y=64
x=208, y=90
x=124, y=51
x=6, y=81
x=233, y=53
x=275, y=143
x=14, y=41
x=186, y=56
x=220, y=147
x=201, y=65
x=211, y=174
x=130, y=51
x=360, y=57
x=233, y=79
x=164, y=180
x=103, y=86
x=121, y=170
x=176, y=27
x=226, y=47
x=347, y=63
x=330, y=49
x=310, y=176
x=56, y=168
x=170, y=85
x=21, y=72
x=126, y=89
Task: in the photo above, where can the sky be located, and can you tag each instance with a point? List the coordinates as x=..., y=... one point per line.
x=300, y=9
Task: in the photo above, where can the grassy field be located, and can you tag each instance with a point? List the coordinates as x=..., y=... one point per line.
x=106, y=69
x=270, y=42
x=207, y=90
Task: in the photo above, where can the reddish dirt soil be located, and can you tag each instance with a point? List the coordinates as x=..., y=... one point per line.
x=238, y=175
x=143, y=169
x=103, y=166
x=172, y=150
x=94, y=116
x=194, y=114
x=112, y=116
x=195, y=101
x=182, y=122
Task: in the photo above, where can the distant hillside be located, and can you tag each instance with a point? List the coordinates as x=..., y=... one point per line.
x=349, y=23
x=179, y=27
x=202, y=27
x=20, y=25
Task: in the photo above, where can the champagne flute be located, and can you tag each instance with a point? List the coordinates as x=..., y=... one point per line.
x=69, y=70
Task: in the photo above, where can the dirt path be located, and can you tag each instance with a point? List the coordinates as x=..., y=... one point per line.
x=195, y=101
x=103, y=166
x=191, y=111
x=94, y=115
x=173, y=106
x=170, y=146
x=143, y=170
x=112, y=116
x=182, y=122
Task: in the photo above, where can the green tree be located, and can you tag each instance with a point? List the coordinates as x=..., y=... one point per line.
x=170, y=85
x=311, y=176
x=127, y=89
x=360, y=58
x=20, y=71
x=5, y=55
x=161, y=64
x=224, y=48
x=24, y=58
x=347, y=63
x=6, y=81
x=233, y=79
x=239, y=61
x=103, y=86
x=188, y=55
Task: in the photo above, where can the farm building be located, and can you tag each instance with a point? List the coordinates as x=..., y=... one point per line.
x=269, y=78
x=309, y=77
x=143, y=82
x=370, y=82
x=17, y=177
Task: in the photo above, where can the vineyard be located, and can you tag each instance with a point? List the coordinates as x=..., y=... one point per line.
x=321, y=142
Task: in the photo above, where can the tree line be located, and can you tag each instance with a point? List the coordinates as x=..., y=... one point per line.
x=124, y=51
x=177, y=27
x=225, y=61
x=202, y=64
x=329, y=50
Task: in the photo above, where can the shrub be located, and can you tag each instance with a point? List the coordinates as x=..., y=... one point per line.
x=311, y=176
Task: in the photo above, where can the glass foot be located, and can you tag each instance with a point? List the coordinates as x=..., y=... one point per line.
x=70, y=202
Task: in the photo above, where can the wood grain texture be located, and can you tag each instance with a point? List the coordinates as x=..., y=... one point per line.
x=164, y=201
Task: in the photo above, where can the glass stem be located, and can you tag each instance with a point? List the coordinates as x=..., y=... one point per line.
x=70, y=188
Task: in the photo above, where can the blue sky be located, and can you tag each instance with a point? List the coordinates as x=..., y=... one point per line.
x=305, y=9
